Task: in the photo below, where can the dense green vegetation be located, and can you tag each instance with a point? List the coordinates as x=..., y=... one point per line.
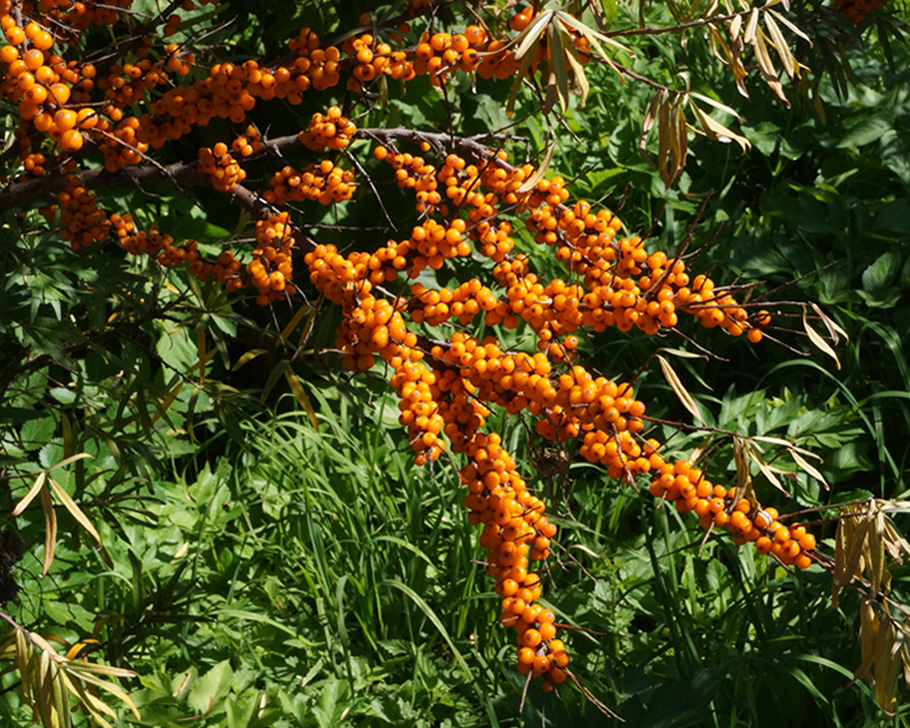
x=266, y=553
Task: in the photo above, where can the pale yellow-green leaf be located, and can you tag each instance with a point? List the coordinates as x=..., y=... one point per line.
x=682, y=354
x=894, y=541
x=770, y=473
x=887, y=671
x=834, y=331
x=716, y=104
x=50, y=530
x=74, y=510
x=23, y=653
x=541, y=172
x=743, y=476
x=558, y=71
x=817, y=341
x=301, y=396
x=107, y=686
x=30, y=496
x=751, y=27
x=594, y=37
x=678, y=389
x=673, y=133
x=647, y=124
x=93, y=668
x=875, y=570
x=530, y=37
x=580, y=81
x=247, y=357
x=682, y=132
x=716, y=131
x=42, y=644
x=519, y=80
x=780, y=44
x=292, y=324
x=94, y=705
x=810, y=469
x=181, y=552
x=791, y=26
x=854, y=556
x=663, y=140
x=766, y=66
x=869, y=638
x=735, y=27
x=68, y=461
x=785, y=443
x=736, y=56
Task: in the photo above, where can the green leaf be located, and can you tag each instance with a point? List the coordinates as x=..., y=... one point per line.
x=331, y=705
x=210, y=689
x=878, y=279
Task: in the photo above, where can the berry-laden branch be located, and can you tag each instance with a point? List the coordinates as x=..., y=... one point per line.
x=75, y=137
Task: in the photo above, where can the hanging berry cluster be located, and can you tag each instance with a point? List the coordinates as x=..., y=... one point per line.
x=471, y=202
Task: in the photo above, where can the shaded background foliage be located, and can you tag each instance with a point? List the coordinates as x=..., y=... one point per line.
x=260, y=571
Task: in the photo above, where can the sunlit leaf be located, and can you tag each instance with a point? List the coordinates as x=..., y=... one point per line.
x=716, y=131
x=75, y=511
x=50, y=530
x=301, y=396
x=818, y=341
x=678, y=389
x=30, y=496
x=767, y=66
x=780, y=44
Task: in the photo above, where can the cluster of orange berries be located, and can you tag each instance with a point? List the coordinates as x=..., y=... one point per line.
x=717, y=507
x=435, y=307
x=129, y=83
x=34, y=164
x=71, y=18
x=324, y=183
x=40, y=83
x=317, y=66
x=137, y=241
x=449, y=400
x=413, y=173
x=16, y=35
x=370, y=326
x=271, y=268
x=623, y=285
x=335, y=276
x=331, y=130
x=375, y=57
x=220, y=167
x=248, y=143
x=225, y=268
x=856, y=10
x=229, y=91
x=161, y=246
x=83, y=221
x=441, y=53
x=417, y=389
x=515, y=531
x=464, y=186
x=123, y=146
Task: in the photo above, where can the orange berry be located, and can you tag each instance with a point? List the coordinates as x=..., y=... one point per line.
x=71, y=141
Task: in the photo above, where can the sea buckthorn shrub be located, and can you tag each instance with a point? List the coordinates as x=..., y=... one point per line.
x=479, y=286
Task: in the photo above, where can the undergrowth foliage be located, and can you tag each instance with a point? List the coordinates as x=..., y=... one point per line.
x=476, y=297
